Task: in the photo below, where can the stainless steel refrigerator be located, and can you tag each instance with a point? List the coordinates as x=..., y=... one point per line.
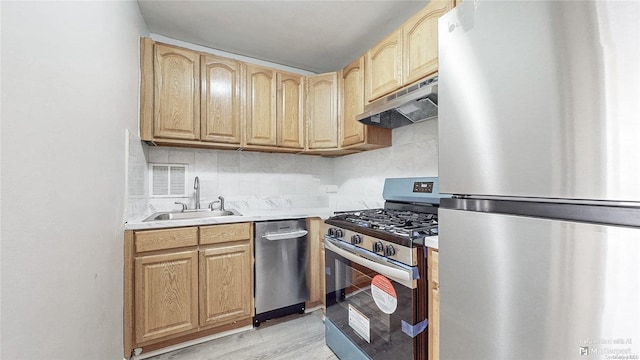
x=539, y=141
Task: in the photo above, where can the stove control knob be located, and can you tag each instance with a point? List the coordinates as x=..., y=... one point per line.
x=331, y=232
x=356, y=239
x=378, y=247
x=389, y=250
x=339, y=233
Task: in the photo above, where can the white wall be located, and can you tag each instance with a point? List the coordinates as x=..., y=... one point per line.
x=69, y=91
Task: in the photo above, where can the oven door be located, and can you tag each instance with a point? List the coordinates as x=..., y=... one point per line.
x=371, y=304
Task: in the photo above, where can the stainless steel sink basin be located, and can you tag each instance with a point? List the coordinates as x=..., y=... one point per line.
x=191, y=214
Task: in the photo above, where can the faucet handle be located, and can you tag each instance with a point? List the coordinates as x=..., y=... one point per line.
x=184, y=206
x=213, y=202
x=221, y=199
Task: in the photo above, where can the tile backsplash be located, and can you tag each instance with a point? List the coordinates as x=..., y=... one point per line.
x=360, y=177
x=247, y=180
x=137, y=177
x=256, y=181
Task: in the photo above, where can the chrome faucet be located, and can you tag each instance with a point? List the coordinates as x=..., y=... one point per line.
x=196, y=187
x=184, y=206
x=220, y=200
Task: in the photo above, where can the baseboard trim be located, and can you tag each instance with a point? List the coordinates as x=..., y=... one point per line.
x=190, y=343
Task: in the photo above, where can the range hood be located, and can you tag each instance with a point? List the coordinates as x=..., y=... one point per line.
x=409, y=105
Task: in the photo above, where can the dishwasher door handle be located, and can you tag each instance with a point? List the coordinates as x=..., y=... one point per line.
x=285, y=235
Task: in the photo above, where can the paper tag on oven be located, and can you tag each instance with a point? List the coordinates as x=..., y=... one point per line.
x=384, y=294
x=359, y=323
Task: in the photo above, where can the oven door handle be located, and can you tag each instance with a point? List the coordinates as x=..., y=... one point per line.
x=404, y=277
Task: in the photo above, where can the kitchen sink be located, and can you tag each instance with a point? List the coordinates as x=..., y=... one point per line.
x=191, y=214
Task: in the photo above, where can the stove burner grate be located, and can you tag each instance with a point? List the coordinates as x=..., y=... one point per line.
x=407, y=224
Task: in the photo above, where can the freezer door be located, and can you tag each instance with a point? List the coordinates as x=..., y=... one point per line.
x=515, y=287
x=540, y=99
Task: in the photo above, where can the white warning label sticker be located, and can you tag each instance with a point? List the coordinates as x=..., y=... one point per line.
x=359, y=323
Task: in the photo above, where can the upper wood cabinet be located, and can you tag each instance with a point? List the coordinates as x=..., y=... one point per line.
x=274, y=108
x=261, y=105
x=322, y=111
x=408, y=54
x=221, y=100
x=420, y=41
x=194, y=99
x=354, y=133
x=290, y=110
x=384, y=66
x=352, y=82
x=176, y=93
x=188, y=98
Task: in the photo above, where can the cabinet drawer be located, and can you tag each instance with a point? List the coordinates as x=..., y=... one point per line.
x=223, y=233
x=165, y=239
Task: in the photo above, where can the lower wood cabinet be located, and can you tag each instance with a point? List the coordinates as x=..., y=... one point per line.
x=166, y=295
x=226, y=283
x=315, y=267
x=434, y=305
x=185, y=283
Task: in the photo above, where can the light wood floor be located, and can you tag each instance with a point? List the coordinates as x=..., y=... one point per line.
x=290, y=338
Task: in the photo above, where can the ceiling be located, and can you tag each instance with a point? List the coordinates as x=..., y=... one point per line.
x=317, y=36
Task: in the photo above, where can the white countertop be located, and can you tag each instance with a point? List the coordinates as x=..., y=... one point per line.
x=431, y=241
x=247, y=216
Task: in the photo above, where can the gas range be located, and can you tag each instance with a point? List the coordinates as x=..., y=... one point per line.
x=409, y=216
x=389, y=232
x=399, y=226
x=376, y=273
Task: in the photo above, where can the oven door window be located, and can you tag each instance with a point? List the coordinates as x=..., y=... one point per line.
x=370, y=315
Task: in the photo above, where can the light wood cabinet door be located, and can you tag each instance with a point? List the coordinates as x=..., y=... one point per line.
x=290, y=111
x=226, y=283
x=420, y=41
x=314, y=265
x=354, y=134
x=176, y=93
x=434, y=306
x=384, y=66
x=261, y=105
x=352, y=80
x=322, y=111
x=166, y=295
x=221, y=100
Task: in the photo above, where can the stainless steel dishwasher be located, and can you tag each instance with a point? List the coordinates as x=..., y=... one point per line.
x=280, y=268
